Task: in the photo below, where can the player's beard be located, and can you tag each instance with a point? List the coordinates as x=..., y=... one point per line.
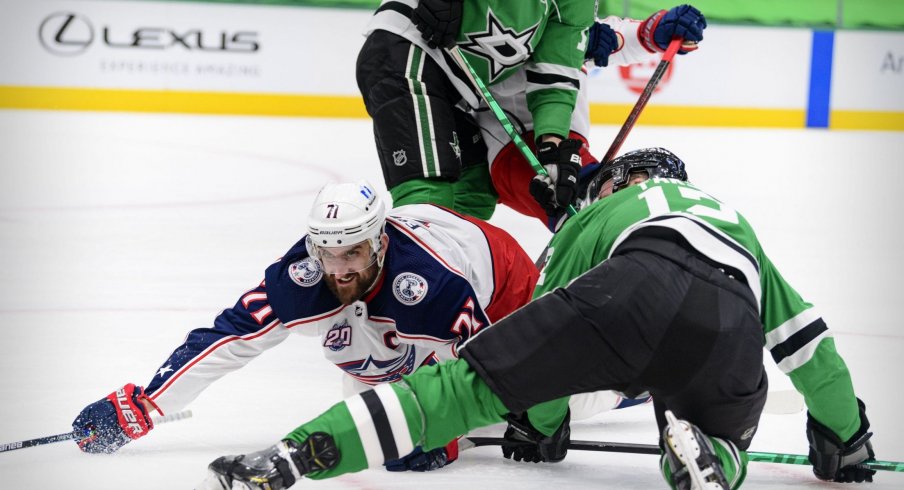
x=349, y=292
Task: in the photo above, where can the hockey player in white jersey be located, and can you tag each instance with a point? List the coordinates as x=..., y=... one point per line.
x=386, y=294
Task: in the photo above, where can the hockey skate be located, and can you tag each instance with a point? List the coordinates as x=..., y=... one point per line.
x=691, y=458
x=275, y=468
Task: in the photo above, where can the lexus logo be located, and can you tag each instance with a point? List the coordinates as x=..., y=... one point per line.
x=69, y=34
x=66, y=33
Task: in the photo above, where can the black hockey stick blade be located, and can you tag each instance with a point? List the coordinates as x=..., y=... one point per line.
x=608, y=447
x=40, y=441
x=12, y=446
x=631, y=448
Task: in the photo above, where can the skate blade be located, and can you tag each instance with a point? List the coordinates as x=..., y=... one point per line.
x=216, y=481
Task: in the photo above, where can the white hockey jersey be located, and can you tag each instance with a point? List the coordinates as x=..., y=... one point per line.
x=445, y=276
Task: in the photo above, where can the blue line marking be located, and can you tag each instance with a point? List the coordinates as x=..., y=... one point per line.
x=820, y=79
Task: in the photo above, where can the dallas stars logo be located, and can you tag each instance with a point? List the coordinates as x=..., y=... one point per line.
x=501, y=46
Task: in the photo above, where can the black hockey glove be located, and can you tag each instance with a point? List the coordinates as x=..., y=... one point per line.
x=274, y=468
x=418, y=460
x=835, y=460
x=439, y=21
x=558, y=189
x=522, y=442
x=112, y=422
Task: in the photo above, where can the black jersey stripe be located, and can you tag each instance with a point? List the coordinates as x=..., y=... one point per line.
x=728, y=243
x=551, y=79
x=381, y=424
x=800, y=338
x=395, y=7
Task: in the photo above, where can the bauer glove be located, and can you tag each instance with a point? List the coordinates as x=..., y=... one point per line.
x=522, y=442
x=558, y=189
x=837, y=460
x=112, y=422
x=683, y=21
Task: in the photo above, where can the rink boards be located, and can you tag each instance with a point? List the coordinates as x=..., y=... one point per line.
x=285, y=61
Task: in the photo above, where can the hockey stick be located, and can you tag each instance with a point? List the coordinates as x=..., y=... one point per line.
x=507, y=125
x=12, y=446
x=642, y=101
x=631, y=448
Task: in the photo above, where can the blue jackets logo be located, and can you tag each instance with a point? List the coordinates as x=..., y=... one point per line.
x=306, y=272
x=409, y=288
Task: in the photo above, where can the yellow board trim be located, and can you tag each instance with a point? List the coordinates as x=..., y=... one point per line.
x=890, y=121
x=177, y=101
x=658, y=115
x=347, y=106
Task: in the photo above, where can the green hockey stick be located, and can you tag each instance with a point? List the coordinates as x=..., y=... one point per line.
x=626, y=447
x=507, y=125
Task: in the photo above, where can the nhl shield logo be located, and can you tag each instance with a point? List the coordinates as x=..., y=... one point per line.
x=306, y=272
x=409, y=288
x=399, y=158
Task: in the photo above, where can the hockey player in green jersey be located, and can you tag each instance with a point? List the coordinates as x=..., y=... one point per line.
x=653, y=286
x=435, y=141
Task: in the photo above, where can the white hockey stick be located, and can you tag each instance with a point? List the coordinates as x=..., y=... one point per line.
x=173, y=417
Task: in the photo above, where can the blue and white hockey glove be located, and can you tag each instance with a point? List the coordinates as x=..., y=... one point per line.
x=683, y=21
x=112, y=422
x=602, y=41
x=418, y=460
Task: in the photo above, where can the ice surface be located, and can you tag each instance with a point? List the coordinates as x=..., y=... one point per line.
x=121, y=232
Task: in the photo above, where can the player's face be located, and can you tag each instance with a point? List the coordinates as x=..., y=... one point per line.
x=605, y=189
x=633, y=179
x=350, y=271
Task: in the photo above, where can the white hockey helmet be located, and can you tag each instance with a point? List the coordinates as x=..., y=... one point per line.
x=345, y=214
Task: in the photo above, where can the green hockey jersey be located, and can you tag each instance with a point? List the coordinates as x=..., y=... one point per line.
x=793, y=332
x=547, y=39
x=438, y=403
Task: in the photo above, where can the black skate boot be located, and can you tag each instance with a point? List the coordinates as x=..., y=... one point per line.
x=692, y=460
x=276, y=468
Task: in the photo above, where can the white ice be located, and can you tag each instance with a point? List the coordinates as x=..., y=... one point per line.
x=121, y=232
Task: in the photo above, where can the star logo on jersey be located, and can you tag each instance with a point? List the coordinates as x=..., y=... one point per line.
x=501, y=46
x=456, y=148
x=372, y=371
x=165, y=369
